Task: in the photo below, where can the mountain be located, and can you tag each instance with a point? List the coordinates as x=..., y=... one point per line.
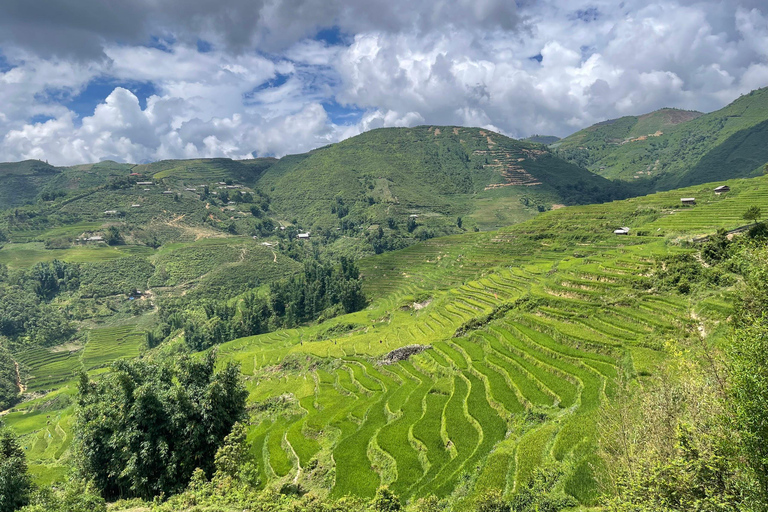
x=434, y=172
x=671, y=148
x=21, y=182
x=542, y=139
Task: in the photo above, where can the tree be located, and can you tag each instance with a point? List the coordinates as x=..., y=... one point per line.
x=752, y=213
x=385, y=501
x=749, y=394
x=15, y=482
x=146, y=426
x=459, y=222
x=113, y=236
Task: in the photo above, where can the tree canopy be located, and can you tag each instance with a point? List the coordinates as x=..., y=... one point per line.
x=15, y=483
x=144, y=427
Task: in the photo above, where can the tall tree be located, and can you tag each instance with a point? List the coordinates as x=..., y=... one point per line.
x=144, y=428
x=15, y=483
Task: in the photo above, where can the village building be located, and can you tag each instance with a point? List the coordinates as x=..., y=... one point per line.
x=135, y=206
x=303, y=236
x=110, y=212
x=167, y=191
x=722, y=189
x=145, y=182
x=690, y=201
x=91, y=239
x=621, y=231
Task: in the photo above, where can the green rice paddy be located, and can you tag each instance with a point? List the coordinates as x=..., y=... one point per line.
x=565, y=316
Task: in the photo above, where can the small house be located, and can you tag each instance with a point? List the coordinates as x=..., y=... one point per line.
x=145, y=182
x=95, y=239
x=135, y=206
x=167, y=191
x=191, y=189
x=722, y=189
x=110, y=212
x=690, y=201
x=303, y=236
x=621, y=231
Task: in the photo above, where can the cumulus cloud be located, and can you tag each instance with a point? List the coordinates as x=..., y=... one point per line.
x=263, y=83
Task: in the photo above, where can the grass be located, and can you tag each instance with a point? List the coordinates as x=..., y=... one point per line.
x=28, y=254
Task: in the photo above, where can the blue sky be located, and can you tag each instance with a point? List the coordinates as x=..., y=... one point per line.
x=169, y=79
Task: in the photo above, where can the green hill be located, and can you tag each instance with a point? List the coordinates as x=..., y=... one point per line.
x=542, y=139
x=671, y=148
x=437, y=173
x=21, y=182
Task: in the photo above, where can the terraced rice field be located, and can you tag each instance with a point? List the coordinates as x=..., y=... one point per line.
x=528, y=329
x=46, y=368
x=547, y=325
x=426, y=424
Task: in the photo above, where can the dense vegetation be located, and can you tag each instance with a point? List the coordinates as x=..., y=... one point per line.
x=321, y=291
x=669, y=148
x=145, y=427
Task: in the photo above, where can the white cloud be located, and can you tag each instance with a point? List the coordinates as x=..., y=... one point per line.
x=549, y=67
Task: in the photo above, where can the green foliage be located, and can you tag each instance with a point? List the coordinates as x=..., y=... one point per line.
x=752, y=213
x=385, y=501
x=117, y=277
x=143, y=428
x=15, y=482
x=113, y=236
x=716, y=248
x=541, y=493
x=9, y=390
x=75, y=496
x=492, y=501
x=749, y=394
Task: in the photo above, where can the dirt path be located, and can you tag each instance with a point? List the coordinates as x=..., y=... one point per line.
x=275, y=255
x=19, y=384
x=699, y=325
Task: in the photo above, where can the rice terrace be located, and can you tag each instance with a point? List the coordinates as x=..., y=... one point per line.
x=242, y=270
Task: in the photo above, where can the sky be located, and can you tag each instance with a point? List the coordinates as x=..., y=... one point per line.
x=144, y=80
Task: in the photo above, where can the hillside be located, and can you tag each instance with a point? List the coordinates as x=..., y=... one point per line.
x=438, y=173
x=671, y=148
x=526, y=335
x=542, y=139
x=378, y=191
x=21, y=182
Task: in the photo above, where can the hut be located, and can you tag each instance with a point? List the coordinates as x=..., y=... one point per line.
x=689, y=201
x=722, y=189
x=621, y=231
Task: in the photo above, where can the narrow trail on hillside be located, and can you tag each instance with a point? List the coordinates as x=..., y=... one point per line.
x=19, y=384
